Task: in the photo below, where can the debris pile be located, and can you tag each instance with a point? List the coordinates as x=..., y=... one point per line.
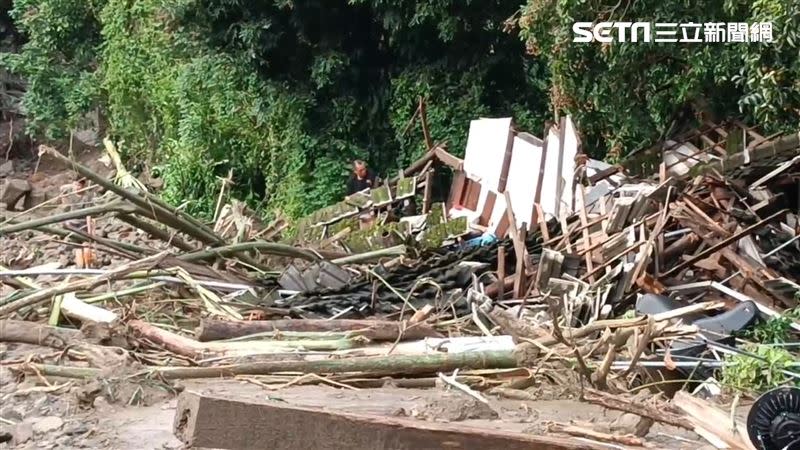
x=539, y=270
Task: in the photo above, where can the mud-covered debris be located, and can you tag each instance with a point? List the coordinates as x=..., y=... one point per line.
x=6, y=168
x=47, y=424
x=23, y=432
x=455, y=408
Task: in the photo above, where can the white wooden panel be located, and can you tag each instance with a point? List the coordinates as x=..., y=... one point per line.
x=571, y=142
x=485, y=152
x=549, y=195
x=523, y=176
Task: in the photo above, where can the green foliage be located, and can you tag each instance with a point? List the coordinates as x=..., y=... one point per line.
x=745, y=373
x=58, y=62
x=284, y=93
x=627, y=96
x=775, y=329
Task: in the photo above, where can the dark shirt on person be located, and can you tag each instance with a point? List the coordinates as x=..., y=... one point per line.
x=354, y=184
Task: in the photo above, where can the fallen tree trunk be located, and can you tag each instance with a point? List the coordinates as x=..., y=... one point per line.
x=32, y=333
x=376, y=330
x=373, y=366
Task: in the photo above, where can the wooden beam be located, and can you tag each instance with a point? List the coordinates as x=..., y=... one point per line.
x=457, y=189
x=521, y=282
x=426, y=197
x=603, y=174
x=214, y=420
x=587, y=238
x=501, y=272
x=724, y=243
x=447, y=159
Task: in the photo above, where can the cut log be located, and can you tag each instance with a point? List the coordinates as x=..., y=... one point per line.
x=36, y=334
x=376, y=330
x=212, y=420
x=77, y=309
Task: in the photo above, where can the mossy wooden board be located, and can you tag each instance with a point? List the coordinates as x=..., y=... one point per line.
x=381, y=196
x=406, y=188
x=359, y=200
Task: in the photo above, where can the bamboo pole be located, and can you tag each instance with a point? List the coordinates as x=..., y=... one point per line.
x=373, y=366
x=154, y=208
x=398, y=250
x=157, y=232
x=112, y=207
x=161, y=212
x=44, y=295
x=266, y=247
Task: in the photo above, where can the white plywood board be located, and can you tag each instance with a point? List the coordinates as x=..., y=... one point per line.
x=550, y=196
x=484, y=156
x=523, y=176
x=569, y=135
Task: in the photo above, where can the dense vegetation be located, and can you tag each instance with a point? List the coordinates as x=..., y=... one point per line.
x=284, y=93
x=625, y=96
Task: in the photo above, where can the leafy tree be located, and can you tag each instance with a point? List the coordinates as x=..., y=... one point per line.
x=627, y=96
x=284, y=93
x=58, y=61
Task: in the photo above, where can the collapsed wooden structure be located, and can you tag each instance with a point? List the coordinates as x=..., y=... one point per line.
x=528, y=264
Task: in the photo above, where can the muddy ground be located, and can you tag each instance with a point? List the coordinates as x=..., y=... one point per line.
x=59, y=415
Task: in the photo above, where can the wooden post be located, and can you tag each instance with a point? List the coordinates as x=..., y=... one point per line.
x=521, y=282
x=426, y=197
x=501, y=272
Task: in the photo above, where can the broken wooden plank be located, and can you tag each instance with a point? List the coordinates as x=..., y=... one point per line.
x=587, y=239
x=711, y=422
x=618, y=215
x=549, y=267
x=520, y=252
x=521, y=282
x=723, y=243
x=501, y=272
x=427, y=195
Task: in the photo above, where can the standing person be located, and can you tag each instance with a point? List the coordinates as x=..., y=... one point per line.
x=362, y=178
